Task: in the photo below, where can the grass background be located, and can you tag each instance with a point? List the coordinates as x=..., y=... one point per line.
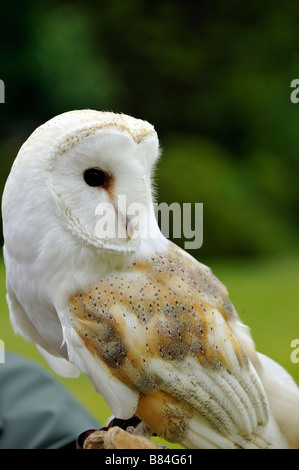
x=265, y=294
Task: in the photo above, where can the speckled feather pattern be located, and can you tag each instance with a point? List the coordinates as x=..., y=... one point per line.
x=166, y=309
x=171, y=302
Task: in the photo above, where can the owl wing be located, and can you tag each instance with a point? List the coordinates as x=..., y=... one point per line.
x=24, y=326
x=283, y=396
x=160, y=339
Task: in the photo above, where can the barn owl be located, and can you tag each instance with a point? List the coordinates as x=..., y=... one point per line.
x=152, y=328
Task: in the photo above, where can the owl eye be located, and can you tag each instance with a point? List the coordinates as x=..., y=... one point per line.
x=95, y=177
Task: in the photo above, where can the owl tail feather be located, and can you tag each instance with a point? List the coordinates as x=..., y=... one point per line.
x=201, y=435
x=283, y=396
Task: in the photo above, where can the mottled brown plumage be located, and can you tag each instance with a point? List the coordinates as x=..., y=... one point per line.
x=168, y=308
x=174, y=302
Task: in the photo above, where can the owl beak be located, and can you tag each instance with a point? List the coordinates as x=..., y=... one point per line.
x=130, y=229
x=126, y=224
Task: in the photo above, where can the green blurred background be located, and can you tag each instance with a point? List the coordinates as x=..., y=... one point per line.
x=214, y=78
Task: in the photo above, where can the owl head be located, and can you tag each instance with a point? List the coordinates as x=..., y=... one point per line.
x=84, y=166
x=75, y=184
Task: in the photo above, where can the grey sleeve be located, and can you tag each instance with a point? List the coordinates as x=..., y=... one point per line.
x=36, y=412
